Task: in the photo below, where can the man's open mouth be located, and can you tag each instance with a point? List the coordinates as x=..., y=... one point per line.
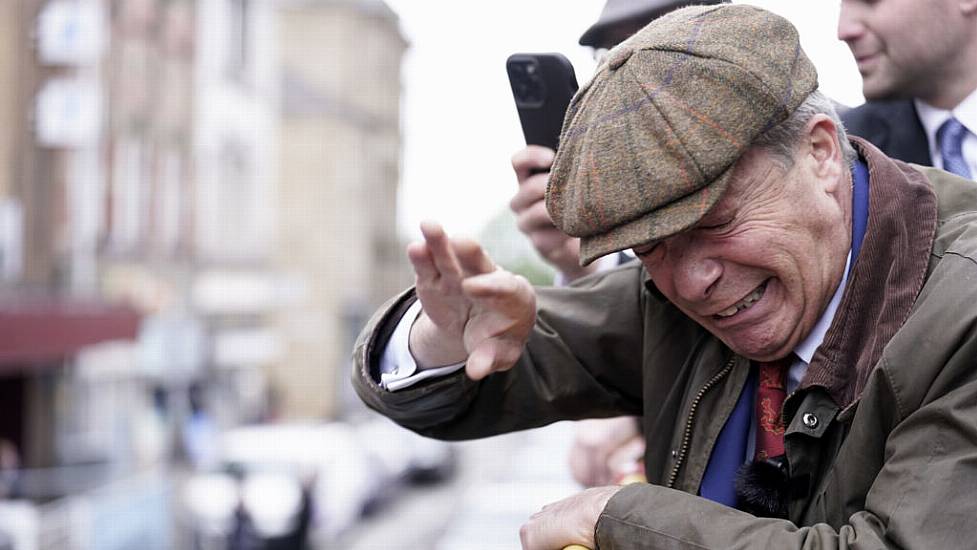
x=745, y=303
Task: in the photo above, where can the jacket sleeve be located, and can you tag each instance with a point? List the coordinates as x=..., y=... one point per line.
x=922, y=498
x=583, y=359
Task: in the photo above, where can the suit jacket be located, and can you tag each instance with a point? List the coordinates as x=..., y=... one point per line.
x=893, y=126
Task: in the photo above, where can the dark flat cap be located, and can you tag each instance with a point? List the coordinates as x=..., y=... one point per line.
x=631, y=13
x=648, y=146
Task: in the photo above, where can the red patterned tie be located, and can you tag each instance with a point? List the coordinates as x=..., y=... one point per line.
x=770, y=397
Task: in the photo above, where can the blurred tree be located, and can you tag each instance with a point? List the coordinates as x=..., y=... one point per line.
x=510, y=249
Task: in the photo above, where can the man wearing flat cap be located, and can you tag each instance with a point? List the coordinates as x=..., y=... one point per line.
x=802, y=350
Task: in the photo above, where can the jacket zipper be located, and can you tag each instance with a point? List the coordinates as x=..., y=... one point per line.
x=684, y=449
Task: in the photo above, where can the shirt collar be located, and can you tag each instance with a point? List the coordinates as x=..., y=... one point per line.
x=933, y=117
x=805, y=350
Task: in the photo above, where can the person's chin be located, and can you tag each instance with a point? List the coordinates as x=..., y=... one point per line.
x=876, y=87
x=761, y=336
x=766, y=350
x=761, y=341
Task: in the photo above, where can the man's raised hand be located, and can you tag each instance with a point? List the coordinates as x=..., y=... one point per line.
x=471, y=308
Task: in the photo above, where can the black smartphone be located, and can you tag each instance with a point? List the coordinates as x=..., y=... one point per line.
x=543, y=85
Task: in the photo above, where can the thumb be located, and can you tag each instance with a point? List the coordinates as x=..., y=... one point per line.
x=491, y=355
x=480, y=362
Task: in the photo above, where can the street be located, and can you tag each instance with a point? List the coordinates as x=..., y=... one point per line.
x=500, y=483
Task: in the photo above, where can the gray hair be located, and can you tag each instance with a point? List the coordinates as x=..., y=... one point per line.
x=781, y=140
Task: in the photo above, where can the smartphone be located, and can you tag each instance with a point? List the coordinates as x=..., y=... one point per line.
x=543, y=85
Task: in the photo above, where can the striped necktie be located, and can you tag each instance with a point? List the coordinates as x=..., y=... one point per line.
x=950, y=139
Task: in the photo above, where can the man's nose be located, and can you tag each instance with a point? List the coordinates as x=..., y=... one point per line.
x=697, y=275
x=850, y=26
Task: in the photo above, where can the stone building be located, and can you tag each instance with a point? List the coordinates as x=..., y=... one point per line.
x=340, y=166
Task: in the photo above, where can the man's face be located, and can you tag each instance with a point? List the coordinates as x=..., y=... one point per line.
x=904, y=48
x=758, y=270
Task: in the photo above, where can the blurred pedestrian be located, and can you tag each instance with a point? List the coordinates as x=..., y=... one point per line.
x=200, y=432
x=918, y=61
x=9, y=470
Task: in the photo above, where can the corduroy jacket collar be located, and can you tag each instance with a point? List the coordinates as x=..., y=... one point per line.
x=894, y=257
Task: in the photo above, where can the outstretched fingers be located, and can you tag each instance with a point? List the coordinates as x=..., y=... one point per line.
x=440, y=251
x=420, y=258
x=472, y=259
x=472, y=304
x=438, y=286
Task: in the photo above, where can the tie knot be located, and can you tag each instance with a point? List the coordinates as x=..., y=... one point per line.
x=773, y=374
x=950, y=138
x=950, y=135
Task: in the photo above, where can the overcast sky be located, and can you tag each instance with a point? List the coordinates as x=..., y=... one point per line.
x=460, y=124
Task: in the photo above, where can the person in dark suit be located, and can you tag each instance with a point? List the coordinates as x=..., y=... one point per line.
x=918, y=61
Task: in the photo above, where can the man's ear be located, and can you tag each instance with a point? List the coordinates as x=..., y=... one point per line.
x=823, y=147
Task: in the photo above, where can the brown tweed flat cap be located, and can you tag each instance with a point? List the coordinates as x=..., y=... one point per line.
x=647, y=148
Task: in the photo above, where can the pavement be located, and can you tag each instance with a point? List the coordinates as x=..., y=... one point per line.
x=501, y=481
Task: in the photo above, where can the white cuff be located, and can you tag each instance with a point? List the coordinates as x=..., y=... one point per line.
x=398, y=369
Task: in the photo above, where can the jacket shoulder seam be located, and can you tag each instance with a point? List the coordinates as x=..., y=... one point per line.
x=900, y=406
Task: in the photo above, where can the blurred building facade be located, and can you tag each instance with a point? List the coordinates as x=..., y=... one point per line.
x=72, y=394
x=236, y=288
x=197, y=203
x=137, y=167
x=340, y=166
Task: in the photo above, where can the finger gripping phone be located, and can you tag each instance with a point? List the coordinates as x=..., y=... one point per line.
x=542, y=85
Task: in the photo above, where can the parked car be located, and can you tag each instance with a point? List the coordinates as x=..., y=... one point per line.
x=276, y=481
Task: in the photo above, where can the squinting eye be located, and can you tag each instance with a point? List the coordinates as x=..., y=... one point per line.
x=643, y=252
x=716, y=227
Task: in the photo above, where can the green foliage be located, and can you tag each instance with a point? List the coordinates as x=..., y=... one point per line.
x=533, y=269
x=509, y=248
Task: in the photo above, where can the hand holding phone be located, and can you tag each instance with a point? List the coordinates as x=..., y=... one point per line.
x=542, y=86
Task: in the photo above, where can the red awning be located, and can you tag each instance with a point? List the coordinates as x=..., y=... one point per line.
x=48, y=330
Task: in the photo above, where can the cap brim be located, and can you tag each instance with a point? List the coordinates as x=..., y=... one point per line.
x=668, y=220
x=594, y=36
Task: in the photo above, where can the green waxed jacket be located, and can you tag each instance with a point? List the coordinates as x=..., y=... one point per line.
x=881, y=435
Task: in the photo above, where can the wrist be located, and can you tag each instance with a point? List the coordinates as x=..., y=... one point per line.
x=432, y=347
